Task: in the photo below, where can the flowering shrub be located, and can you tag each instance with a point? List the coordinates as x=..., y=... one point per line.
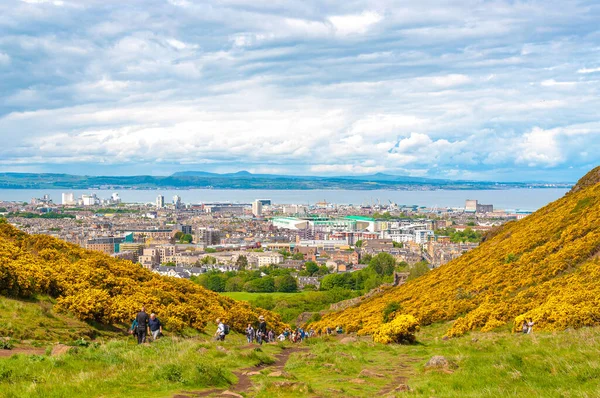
x=401, y=329
x=552, y=277
x=94, y=286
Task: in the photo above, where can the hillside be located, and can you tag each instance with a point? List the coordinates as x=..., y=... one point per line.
x=545, y=267
x=95, y=287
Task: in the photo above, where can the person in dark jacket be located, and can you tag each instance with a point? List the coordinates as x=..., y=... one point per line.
x=261, y=330
x=142, y=319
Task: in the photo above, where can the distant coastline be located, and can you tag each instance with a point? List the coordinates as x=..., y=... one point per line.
x=246, y=180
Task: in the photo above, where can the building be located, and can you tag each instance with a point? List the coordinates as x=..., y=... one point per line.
x=186, y=229
x=308, y=280
x=208, y=236
x=68, y=199
x=177, y=201
x=257, y=208
x=135, y=248
x=160, y=201
x=264, y=202
x=470, y=206
x=473, y=206
x=115, y=198
x=89, y=200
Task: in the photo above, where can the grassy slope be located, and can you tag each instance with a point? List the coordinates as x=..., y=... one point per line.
x=36, y=321
x=493, y=364
x=122, y=368
x=545, y=267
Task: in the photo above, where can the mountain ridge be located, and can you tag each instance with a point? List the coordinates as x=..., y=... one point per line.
x=247, y=180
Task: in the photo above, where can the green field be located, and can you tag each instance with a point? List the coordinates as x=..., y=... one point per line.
x=245, y=296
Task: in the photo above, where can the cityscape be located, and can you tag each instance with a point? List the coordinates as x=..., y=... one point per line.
x=178, y=239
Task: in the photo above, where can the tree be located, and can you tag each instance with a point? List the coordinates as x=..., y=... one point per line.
x=208, y=260
x=241, y=262
x=298, y=256
x=210, y=250
x=186, y=238
x=170, y=264
x=215, y=282
x=234, y=284
x=398, y=244
x=417, y=270
x=311, y=268
x=365, y=258
x=260, y=285
x=286, y=284
x=358, y=243
x=383, y=264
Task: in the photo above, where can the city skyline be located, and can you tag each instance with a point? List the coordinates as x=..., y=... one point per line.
x=501, y=91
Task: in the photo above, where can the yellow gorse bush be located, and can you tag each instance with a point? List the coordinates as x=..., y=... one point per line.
x=401, y=329
x=94, y=286
x=545, y=267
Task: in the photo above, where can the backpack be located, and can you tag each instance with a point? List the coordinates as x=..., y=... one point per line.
x=226, y=329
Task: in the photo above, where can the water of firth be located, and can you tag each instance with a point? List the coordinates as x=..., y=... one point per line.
x=508, y=199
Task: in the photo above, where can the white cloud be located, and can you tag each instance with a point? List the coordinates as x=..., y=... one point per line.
x=540, y=148
x=345, y=25
x=588, y=70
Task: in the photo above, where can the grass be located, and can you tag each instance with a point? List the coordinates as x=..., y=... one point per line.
x=495, y=364
x=122, y=368
x=35, y=320
x=245, y=296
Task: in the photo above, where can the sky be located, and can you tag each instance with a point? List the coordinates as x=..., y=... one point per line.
x=481, y=90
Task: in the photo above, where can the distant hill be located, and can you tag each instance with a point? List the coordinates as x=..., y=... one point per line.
x=245, y=180
x=95, y=287
x=545, y=267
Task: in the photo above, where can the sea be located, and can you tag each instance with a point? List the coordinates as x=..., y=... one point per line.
x=507, y=199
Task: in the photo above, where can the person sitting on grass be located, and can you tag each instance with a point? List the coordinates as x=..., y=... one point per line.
x=155, y=326
x=220, y=333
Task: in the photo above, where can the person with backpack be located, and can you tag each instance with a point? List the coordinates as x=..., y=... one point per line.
x=142, y=319
x=261, y=330
x=222, y=330
x=155, y=326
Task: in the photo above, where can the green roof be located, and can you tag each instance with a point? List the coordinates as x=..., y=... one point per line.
x=360, y=218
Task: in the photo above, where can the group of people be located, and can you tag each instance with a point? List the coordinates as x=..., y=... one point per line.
x=144, y=325
x=260, y=334
x=527, y=326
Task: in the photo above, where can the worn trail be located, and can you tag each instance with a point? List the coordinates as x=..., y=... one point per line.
x=244, y=383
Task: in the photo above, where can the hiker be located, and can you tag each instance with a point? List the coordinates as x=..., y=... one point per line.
x=271, y=336
x=250, y=333
x=339, y=329
x=261, y=331
x=142, y=325
x=529, y=326
x=155, y=327
x=281, y=337
x=524, y=327
x=220, y=333
x=133, y=328
x=328, y=330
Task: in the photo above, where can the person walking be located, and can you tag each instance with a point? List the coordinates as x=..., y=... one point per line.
x=155, y=326
x=529, y=326
x=250, y=333
x=261, y=331
x=220, y=333
x=142, y=319
x=133, y=328
x=524, y=327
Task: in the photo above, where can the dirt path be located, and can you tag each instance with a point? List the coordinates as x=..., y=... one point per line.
x=244, y=383
x=22, y=350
